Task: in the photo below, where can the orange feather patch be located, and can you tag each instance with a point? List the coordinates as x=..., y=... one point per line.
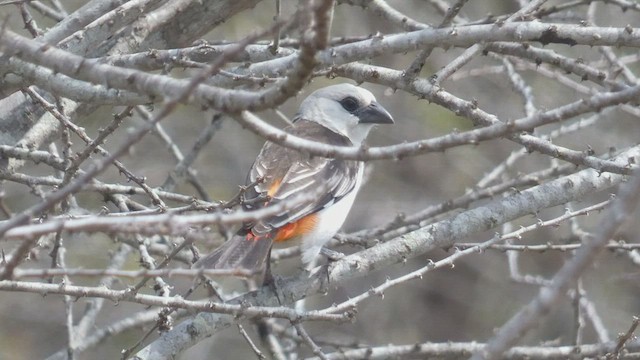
x=291, y=230
x=298, y=228
x=273, y=188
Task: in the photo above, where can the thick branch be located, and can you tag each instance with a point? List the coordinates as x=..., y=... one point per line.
x=441, y=234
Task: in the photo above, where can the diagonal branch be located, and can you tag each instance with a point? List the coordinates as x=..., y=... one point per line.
x=441, y=234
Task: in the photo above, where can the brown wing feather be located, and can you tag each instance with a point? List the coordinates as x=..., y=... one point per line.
x=287, y=172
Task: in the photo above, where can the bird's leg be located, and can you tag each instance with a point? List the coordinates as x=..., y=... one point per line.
x=268, y=276
x=312, y=268
x=269, y=280
x=332, y=256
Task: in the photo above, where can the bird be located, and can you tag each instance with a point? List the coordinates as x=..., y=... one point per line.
x=338, y=115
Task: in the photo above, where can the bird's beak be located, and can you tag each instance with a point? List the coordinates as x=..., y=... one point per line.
x=374, y=113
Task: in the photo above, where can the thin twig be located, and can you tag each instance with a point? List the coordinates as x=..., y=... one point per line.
x=624, y=338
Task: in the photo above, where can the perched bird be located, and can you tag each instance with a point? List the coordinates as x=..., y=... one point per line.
x=339, y=115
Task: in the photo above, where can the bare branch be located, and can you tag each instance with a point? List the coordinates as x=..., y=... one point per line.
x=517, y=326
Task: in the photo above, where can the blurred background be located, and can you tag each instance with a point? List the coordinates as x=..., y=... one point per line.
x=459, y=304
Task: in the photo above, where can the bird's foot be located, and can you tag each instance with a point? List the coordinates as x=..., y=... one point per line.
x=331, y=255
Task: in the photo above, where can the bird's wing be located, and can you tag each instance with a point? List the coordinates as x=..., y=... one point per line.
x=286, y=173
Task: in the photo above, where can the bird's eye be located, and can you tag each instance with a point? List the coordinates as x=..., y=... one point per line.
x=350, y=104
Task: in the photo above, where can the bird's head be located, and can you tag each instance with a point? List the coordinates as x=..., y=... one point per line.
x=346, y=109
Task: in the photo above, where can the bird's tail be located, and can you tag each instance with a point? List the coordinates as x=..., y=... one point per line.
x=241, y=252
